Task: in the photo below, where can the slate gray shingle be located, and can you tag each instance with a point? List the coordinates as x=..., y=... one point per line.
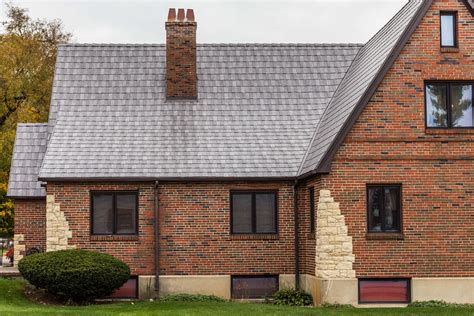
x=257, y=109
x=28, y=153
x=367, y=64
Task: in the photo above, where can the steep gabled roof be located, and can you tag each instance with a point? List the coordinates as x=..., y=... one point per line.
x=257, y=108
x=360, y=82
x=28, y=153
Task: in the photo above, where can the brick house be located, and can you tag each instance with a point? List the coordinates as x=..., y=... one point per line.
x=235, y=169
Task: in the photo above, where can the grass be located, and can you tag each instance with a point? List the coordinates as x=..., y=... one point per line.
x=14, y=302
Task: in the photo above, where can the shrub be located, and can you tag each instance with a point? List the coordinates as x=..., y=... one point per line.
x=191, y=298
x=434, y=303
x=75, y=275
x=292, y=297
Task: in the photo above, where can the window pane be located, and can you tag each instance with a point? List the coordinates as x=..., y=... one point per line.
x=384, y=291
x=311, y=210
x=126, y=205
x=461, y=99
x=391, y=209
x=375, y=209
x=436, y=114
x=447, y=30
x=254, y=287
x=102, y=214
x=265, y=212
x=241, y=213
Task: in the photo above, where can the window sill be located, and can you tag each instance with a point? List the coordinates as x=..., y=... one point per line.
x=384, y=236
x=450, y=49
x=449, y=131
x=114, y=237
x=254, y=236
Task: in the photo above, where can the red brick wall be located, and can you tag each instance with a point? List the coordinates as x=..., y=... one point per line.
x=137, y=252
x=30, y=220
x=389, y=144
x=194, y=229
x=195, y=232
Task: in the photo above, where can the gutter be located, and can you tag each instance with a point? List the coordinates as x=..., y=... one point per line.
x=157, y=240
x=297, y=242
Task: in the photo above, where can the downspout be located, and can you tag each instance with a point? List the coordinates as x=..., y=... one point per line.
x=297, y=250
x=157, y=240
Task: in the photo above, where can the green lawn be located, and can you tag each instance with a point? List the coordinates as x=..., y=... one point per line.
x=13, y=302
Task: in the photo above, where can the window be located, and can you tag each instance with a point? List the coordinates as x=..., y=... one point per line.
x=383, y=208
x=254, y=212
x=384, y=291
x=114, y=213
x=449, y=104
x=256, y=286
x=448, y=23
x=311, y=209
x=128, y=290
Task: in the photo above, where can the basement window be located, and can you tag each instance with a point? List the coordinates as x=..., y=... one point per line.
x=449, y=104
x=254, y=286
x=114, y=213
x=448, y=26
x=128, y=290
x=383, y=208
x=378, y=291
x=253, y=212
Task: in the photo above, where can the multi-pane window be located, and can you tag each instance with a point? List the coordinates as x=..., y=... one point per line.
x=114, y=213
x=254, y=212
x=448, y=29
x=311, y=209
x=383, y=208
x=449, y=104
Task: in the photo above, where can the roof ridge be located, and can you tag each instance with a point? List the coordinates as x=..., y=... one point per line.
x=215, y=44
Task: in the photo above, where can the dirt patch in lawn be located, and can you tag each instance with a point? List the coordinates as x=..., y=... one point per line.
x=42, y=297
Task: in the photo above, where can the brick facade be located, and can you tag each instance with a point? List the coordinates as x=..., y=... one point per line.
x=30, y=221
x=389, y=144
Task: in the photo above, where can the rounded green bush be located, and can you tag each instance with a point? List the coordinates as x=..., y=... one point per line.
x=77, y=275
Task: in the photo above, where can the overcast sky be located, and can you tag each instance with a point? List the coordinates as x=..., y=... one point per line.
x=220, y=21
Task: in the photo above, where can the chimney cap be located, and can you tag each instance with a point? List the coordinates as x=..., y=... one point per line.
x=181, y=16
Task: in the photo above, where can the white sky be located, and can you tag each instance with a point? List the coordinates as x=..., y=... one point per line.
x=219, y=21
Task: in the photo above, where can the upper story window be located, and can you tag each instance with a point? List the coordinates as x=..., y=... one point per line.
x=384, y=208
x=253, y=212
x=114, y=213
x=448, y=25
x=449, y=104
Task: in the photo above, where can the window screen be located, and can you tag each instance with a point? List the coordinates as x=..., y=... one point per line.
x=114, y=213
x=254, y=286
x=383, y=208
x=254, y=212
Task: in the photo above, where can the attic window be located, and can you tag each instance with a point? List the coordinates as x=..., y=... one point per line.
x=448, y=21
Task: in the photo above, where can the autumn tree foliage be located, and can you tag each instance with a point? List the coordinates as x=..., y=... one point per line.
x=27, y=58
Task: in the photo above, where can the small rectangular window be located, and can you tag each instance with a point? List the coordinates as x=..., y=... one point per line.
x=448, y=29
x=383, y=208
x=254, y=212
x=384, y=291
x=449, y=104
x=255, y=286
x=311, y=209
x=128, y=290
x=114, y=213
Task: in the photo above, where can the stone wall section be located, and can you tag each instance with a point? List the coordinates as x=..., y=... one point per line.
x=57, y=227
x=18, y=248
x=334, y=255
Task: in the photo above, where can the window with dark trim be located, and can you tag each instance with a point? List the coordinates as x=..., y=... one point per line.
x=254, y=286
x=114, y=213
x=128, y=290
x=449, y=104
x=253, y=212
x=448, y=29
x=311, y=209
x=384, y=291
x=384, y=208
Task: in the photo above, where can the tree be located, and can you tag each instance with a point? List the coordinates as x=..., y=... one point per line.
x=27, y=58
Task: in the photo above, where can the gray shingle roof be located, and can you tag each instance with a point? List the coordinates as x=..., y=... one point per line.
x=28, y=153
x=367, y=64
x=258, y=107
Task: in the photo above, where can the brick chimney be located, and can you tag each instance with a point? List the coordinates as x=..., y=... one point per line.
x=181, y=77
